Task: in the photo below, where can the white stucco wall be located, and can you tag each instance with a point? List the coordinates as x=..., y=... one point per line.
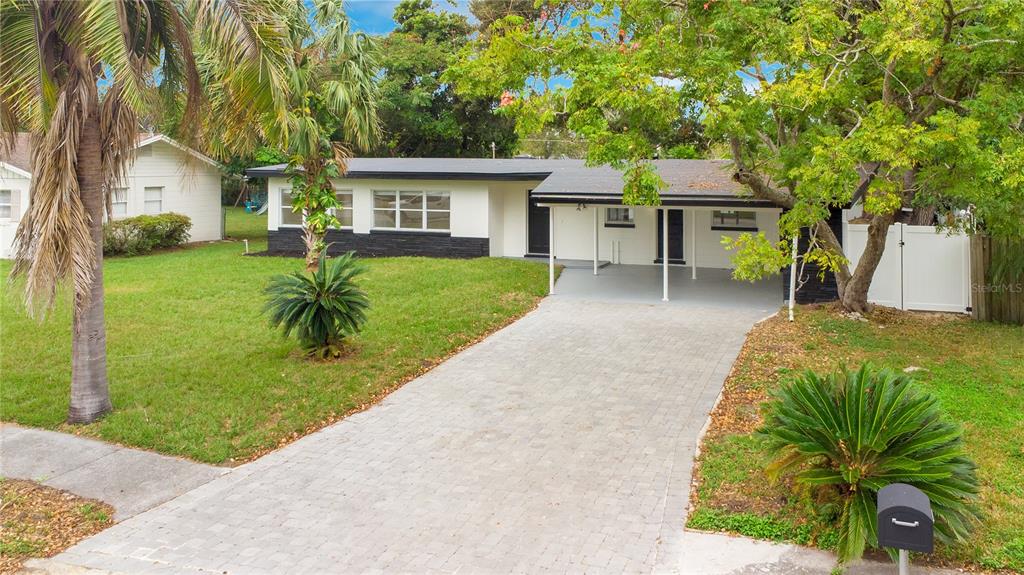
x=498, y=210
x=470, y=211
x=18, y=185
x=574, y=236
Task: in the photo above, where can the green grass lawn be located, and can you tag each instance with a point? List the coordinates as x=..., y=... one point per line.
x=975, y=369
x=239, y=225
x=195, y=370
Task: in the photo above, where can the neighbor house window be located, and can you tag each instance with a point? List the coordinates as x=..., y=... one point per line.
x=119, y=202
x=734, y=220
x=154, y=200
x=344, y=210
x=6, y=203
x=619, y=218
x=288, y=217
x=411, y=210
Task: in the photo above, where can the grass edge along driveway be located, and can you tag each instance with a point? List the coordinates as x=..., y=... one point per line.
x=196, y=371
x=976, y=370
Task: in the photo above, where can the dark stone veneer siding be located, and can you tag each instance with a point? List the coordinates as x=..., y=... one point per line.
x=377, y=243
x=814, y=290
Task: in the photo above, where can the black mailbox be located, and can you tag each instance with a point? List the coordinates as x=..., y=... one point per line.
x=905, y=518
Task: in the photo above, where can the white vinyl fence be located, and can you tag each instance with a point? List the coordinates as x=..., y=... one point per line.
x=921, y=269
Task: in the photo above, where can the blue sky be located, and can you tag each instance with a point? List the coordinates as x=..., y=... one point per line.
x=374, y=16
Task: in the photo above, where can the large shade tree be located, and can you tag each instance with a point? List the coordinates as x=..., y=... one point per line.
x=331, y=98
x=911, y=109
x=421, y=115
x=78, y=76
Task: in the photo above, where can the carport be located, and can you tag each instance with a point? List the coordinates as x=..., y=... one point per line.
x=676, y=245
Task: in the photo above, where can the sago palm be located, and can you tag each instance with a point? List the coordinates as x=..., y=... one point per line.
x=852, y=433
x=321, y=308
x=78, y=76
x=332, y=111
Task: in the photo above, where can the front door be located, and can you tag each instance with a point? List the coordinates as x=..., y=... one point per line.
x=675, y=237
x=538, y=240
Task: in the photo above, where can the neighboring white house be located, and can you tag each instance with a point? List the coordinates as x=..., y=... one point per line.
x=165, y=177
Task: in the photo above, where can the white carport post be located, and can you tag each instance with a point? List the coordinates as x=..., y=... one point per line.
x=595, y=239
x=693, y=242
x=551, y=250
x=664, y=254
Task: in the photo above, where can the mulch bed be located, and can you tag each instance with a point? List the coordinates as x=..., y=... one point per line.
x=39, y=521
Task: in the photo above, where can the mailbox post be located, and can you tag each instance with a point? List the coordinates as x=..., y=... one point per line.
x=905, y=521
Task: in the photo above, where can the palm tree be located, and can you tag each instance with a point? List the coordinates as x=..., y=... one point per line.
x=78, y=76
x=332, y=109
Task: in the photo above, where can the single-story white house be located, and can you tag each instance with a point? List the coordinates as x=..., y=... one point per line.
x=165, y=177
x=526, y=207
x=560, y=210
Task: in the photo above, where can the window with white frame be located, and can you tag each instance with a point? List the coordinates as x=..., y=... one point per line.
x=412, y=210
x=119, y=202
x=734, y=220
x=619, y=218
x=153, y=198
x=344, y=210
x=288, y=217
x=6, y=204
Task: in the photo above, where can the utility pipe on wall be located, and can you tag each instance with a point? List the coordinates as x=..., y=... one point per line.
x=551, y=250
x=595, y=238
x=792, y=279
x=664, y=254
x=693, y=242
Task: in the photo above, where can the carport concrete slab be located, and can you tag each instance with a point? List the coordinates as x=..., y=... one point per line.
x=643, y=284
x=130, y=480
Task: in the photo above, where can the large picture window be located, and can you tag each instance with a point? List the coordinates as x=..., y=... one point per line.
x=734, y=220
x=344, y=210
x=288, y=217
x=412, y=210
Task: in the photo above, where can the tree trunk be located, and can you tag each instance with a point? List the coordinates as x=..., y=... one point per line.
x=90, y=396
x=854, y=294
x=314, y=242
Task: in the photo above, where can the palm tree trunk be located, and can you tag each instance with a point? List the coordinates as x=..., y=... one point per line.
x=90, y=396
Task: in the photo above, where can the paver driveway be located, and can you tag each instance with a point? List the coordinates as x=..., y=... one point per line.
x=562, y=443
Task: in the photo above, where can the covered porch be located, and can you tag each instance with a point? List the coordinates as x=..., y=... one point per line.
x=645, y=284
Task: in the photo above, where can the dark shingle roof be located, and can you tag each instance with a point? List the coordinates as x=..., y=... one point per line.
x=689, y=181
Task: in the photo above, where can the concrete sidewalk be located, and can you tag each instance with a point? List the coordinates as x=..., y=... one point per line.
x=130, y=480
x=718, y=554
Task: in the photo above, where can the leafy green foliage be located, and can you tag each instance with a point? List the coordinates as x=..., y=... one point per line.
x=755, y=256
x=422, y=116
x=853, y=432
x=321, y=308
x=331, y=110
x=142, y=234
x=900, y=105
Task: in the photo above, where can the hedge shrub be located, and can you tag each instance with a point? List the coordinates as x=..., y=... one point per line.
x=142, y=234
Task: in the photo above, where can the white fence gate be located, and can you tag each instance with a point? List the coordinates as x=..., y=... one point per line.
x=921, y=269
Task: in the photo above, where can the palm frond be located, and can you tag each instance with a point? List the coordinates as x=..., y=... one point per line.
x=854, y=432
x=322, y=308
